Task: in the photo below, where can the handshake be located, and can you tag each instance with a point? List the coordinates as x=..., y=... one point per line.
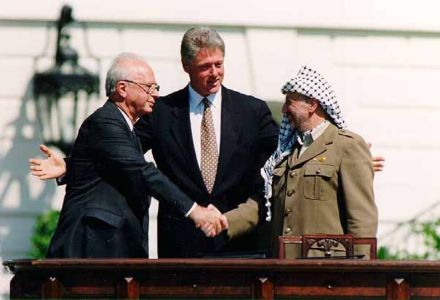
x=209, y=219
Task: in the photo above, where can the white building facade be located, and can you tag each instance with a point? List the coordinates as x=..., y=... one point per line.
x=383, y=58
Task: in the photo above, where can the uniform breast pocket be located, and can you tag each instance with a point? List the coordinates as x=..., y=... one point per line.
x=317, y=180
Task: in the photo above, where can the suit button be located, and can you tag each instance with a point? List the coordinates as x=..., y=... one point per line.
x=287, y=212
x=287, y=230
x=290, y=193
x=292, y=174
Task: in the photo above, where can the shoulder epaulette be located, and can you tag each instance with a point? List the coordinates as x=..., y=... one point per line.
x=346, y=132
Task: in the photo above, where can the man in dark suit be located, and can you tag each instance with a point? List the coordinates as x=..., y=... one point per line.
x=105, y=210
x=244, y=137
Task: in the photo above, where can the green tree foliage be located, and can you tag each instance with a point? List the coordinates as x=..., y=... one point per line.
x=43, y=230
x=429, y=233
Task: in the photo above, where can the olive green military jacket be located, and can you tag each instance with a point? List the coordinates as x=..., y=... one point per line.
x=328, y=190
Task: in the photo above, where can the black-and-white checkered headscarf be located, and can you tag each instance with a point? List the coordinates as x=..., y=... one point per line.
x=310, y=83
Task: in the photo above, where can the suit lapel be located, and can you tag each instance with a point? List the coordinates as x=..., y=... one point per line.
x=181, y=132
x=230, y=132
x=111, y=106
x=118, y=115
x=317, y=147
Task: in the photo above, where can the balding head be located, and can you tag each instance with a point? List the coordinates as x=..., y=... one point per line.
x=131, y=85
x=125, y=66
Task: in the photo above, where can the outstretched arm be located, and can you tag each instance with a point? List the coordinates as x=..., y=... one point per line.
x=52, y=167
x=238, y=221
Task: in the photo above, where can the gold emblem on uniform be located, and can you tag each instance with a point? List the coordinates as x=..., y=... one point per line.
x=322, y=159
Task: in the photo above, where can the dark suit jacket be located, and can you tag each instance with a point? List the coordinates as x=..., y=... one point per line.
x=105, y=210
x=248, y=137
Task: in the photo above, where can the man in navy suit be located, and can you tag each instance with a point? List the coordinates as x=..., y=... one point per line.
x=105, y=210
x=245, y=136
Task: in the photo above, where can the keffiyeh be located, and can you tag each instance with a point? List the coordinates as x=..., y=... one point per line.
x=310, y=83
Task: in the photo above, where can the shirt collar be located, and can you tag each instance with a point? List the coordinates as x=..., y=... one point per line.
x=195, y=99
x=127, y=119
x=306, y=138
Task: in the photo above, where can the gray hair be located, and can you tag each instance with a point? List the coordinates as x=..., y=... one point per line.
x=119, y=71
x=199, y=37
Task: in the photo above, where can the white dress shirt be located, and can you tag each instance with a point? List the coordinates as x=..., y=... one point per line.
x=196, y=109
x=127, y=119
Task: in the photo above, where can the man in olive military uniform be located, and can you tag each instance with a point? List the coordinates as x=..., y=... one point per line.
x=320, y=178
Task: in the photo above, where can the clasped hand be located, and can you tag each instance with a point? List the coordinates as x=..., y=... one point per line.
x=209, y=219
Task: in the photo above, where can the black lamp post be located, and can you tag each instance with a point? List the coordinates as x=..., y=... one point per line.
x=66, y=80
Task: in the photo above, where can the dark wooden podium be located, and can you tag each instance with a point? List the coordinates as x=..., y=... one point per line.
x=224, y=278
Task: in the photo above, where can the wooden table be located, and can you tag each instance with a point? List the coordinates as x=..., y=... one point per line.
x=224, y=278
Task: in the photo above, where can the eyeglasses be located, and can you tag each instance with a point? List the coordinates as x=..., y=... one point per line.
x=149, y=87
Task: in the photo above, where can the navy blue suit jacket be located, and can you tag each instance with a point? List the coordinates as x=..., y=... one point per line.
x=105, y=210
x=248, y=137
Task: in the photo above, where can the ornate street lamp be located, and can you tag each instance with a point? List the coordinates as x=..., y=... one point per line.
x=65, y=82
